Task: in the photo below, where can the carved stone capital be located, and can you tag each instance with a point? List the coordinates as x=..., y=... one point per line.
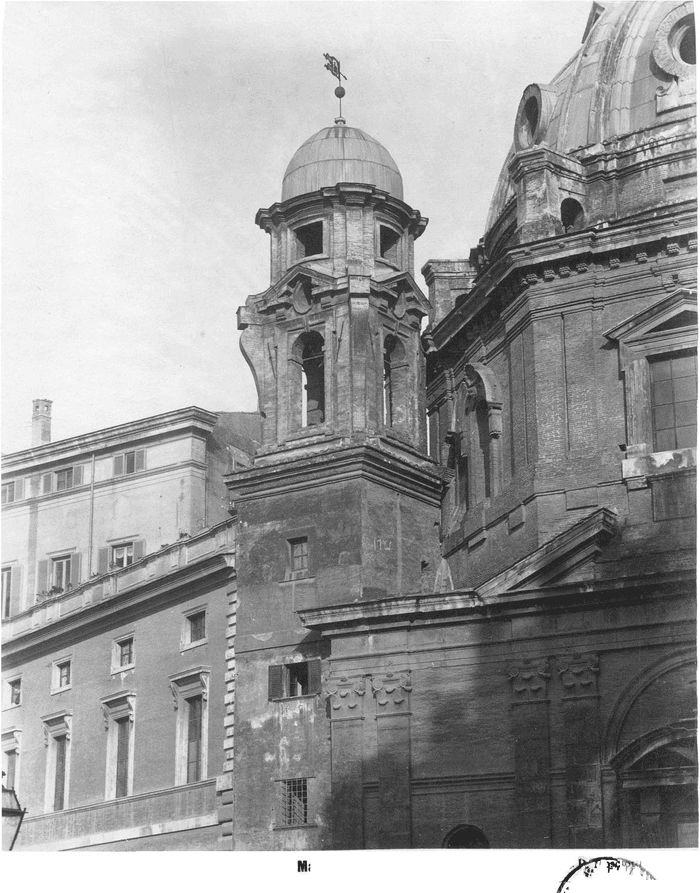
x=392, y=693
x=529, y=679
x=579, y=674
x=345, y=695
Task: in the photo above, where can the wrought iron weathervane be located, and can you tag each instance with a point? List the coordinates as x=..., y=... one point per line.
x=333, y=65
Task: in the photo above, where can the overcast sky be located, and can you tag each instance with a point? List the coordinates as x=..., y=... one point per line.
x=141, y=138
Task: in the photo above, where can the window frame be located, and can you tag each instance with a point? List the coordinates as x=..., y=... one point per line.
x=56, y=686
x=8, y=488
x=7, y=592
x=120, y=462
x=299, y=249
x=186, y=640
x=65, y=560
x=283, y=819
x=116, y=709
x=10, y=683
x=184, y=687
x=279, y=679
x=117, y=643
x=125, y=545
x=56, y=726
x=12, y=744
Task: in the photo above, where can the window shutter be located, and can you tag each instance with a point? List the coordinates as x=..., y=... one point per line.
x=119, y=465
x=75, y=568
x=138, y=550
x=19, y=488
x=77, y=475
x=314, y=677
x=15, y=590
x=42, y=576
x=102, y=561
x=140, y=460
x=35, y=485
x=275, y=682
x=47, y=481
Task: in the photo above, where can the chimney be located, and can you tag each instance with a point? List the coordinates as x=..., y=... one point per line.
x=41, y=422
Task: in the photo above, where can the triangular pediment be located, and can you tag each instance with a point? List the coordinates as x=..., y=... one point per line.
x=558, y=561
x=676, y=311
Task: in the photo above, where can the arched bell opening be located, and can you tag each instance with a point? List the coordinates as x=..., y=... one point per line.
x=395, y=383
x=308, y=395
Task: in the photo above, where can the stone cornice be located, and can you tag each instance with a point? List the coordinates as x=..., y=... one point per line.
x=526, y=264
x=338, y=461
x=466, y=606
x=119, y=436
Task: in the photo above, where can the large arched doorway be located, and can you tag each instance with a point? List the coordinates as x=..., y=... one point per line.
x=465, y=837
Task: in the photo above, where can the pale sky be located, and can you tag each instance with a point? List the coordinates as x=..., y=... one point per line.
x=139, y=140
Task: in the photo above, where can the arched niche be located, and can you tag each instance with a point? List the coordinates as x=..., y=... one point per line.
x=395, y=376
x=465, y=837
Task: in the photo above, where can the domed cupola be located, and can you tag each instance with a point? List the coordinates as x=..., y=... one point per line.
x=598, y=143
x=342, y=209
x=341, y=154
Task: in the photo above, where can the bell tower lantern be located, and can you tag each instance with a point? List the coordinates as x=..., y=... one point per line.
x=334, y=342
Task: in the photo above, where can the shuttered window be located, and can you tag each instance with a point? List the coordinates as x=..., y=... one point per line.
x=130, y=462
x=13, y=491
x=59, y=790
x=194, y=739
x=123, y=733
x=6, y=592
x=294, y=680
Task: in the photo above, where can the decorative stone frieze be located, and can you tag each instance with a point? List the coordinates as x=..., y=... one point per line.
x=529, y=679
x=579, y=674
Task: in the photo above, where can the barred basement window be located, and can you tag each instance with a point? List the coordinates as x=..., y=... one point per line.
x=294, y=806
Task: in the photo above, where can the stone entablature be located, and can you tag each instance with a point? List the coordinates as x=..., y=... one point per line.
x=157, y=567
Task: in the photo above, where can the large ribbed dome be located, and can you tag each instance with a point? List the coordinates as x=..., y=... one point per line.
x=632, y=55
x=341, y=154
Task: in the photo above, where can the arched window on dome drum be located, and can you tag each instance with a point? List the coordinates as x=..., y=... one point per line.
x=572, y=217
x=308, y=392
x=395, y=382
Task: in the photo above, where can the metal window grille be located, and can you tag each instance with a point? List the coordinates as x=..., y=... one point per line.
x=194, y=739
x=123, y=733
x=64, y=674
x=126, y=652
x=300, y=554
x=197, y=625
x=294, y=801
x=59, y=790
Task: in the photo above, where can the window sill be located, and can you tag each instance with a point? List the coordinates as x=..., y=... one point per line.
x=293, y=697
x=664, y=462
x=190, y=645
x=115, y=671
x=294, y=827
x=58, y=691
x=11, y=707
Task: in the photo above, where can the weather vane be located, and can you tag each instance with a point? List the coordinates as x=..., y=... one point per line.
x=333, y=65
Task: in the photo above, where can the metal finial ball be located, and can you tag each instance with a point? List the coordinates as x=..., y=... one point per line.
x=340, y=92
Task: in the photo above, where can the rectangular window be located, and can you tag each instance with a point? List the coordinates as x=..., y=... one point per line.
x=299, y=549
x=294, y=801
x=62, y=675
x=310, y=239
x=123, y=725
x=59, y=790
x=674, y=400
x=388, y=244
x=194, y=738
x=130, y=462
x=123, y=555
x=8, y=493
x=64, y=479
x=294, y=680
x=126, y=652
x=10, y=778
x=6, y=592
x=15, y=692
x=197, y=626
x=61, y=572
